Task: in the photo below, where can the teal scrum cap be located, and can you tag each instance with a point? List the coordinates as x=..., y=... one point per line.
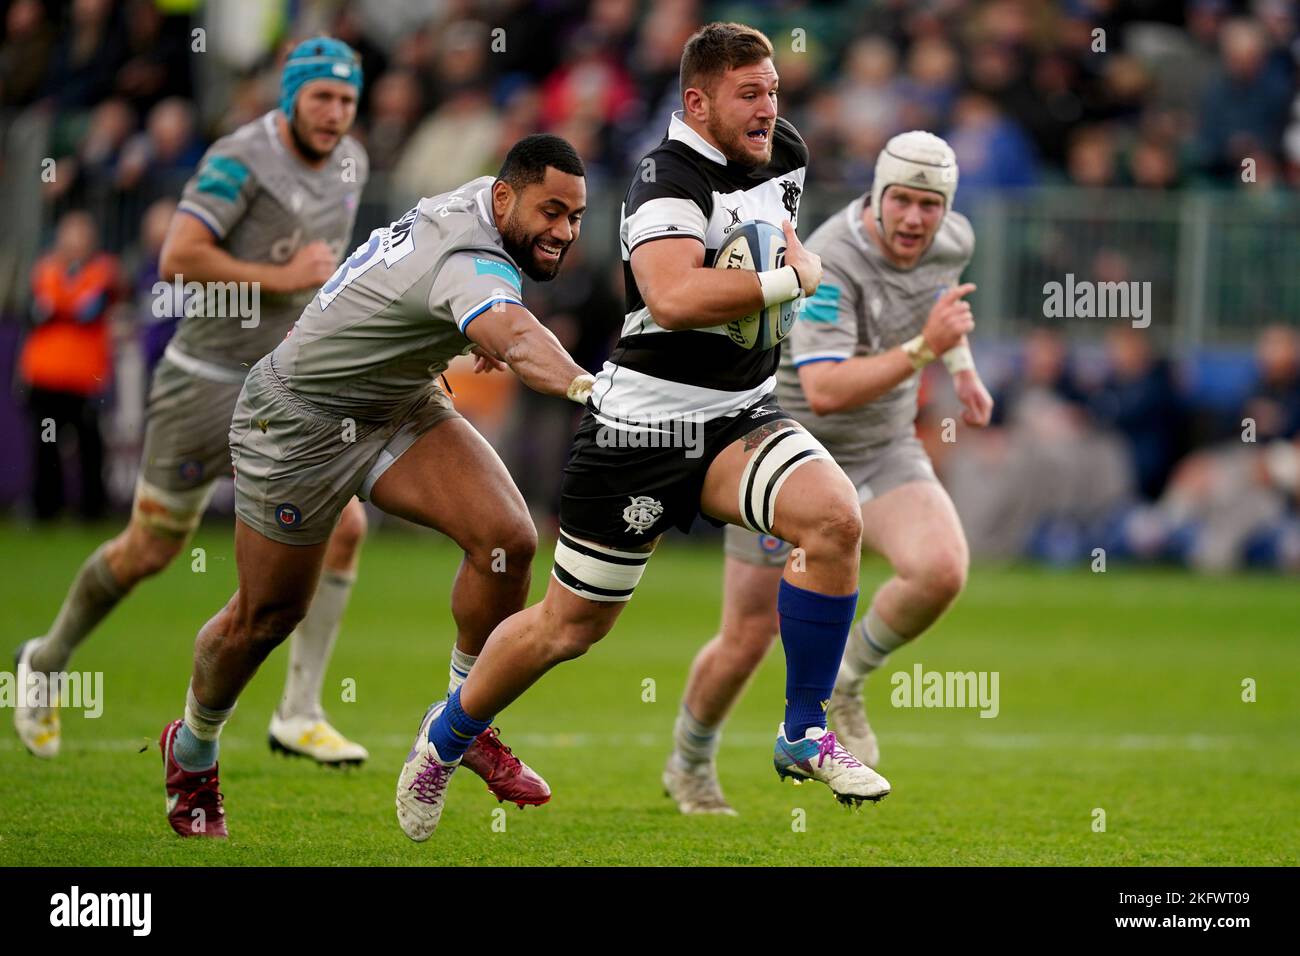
x=321, y=58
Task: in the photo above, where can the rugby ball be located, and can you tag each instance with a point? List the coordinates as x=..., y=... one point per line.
x=757, y=246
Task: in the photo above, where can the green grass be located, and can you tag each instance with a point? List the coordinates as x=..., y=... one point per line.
x=1119, y=691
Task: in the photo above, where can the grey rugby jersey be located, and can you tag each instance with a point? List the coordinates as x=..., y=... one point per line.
x=686, y=187
x=386, y=324
x=263, y=204
x=866, y=305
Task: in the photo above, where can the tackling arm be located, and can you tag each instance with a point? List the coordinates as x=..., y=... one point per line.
x=509, y=333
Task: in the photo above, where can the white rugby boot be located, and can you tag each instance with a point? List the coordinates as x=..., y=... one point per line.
x=315, y=739
x=819, y=756
x=848, y=716
x=422, y=784
x=37, y=727
x=695, y=790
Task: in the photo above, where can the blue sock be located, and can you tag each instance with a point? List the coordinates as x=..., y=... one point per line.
x=453, y=730
x=814, y=629
x=192, y=753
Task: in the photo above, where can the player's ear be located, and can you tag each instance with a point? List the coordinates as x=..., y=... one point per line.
x=503, y=197
x=696, y=103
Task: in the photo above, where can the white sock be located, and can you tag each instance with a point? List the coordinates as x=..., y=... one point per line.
x=695, y=743
x=461, y=663
x=868, y=647
x=311, y=645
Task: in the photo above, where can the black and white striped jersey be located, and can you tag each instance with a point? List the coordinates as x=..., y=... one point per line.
x=686, y=187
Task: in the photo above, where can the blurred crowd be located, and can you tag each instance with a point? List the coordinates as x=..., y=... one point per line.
x=1123, y=450
x=1150, y=93
x=105, y=108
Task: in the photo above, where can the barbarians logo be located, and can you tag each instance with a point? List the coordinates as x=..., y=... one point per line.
x=735, y=220
x=642, y=513
x=790, y=197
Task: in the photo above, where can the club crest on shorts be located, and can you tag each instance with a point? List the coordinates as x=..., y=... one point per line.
x=288, y=516
x=770, y=543
x=642, y=513
x=191, y=470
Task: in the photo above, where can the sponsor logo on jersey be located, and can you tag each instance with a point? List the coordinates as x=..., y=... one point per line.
x=735, y=219
x=495, y=267
x=288, y=516
x=823, y=305
x=223, y=177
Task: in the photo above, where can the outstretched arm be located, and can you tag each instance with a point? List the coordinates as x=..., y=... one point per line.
x=509, y=333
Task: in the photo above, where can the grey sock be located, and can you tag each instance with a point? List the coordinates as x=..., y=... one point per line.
x=93, y=594
x=695, y=743
x=195, y=745
x=311, y=645
x=192, y=753
x=870, y=642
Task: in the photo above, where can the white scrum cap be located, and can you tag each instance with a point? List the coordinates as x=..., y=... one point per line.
x=919, y=160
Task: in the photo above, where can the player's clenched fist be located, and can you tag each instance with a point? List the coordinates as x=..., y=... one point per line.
x=310, y=266
x=949, y=319
x=807, y=264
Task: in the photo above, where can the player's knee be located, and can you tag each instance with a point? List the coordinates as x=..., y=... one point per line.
x=571, y=641
x=140, y=554
x=265, y=628
x=351, y=529
x=570, y=636
x=942, y=575
x=843, y=526
x=509, y=549
x=835, y=529
x=747, y=640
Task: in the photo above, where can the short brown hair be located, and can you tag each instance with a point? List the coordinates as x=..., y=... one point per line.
x=718, y=47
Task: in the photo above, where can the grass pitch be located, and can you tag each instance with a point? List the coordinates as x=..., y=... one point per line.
x=1120, y=692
